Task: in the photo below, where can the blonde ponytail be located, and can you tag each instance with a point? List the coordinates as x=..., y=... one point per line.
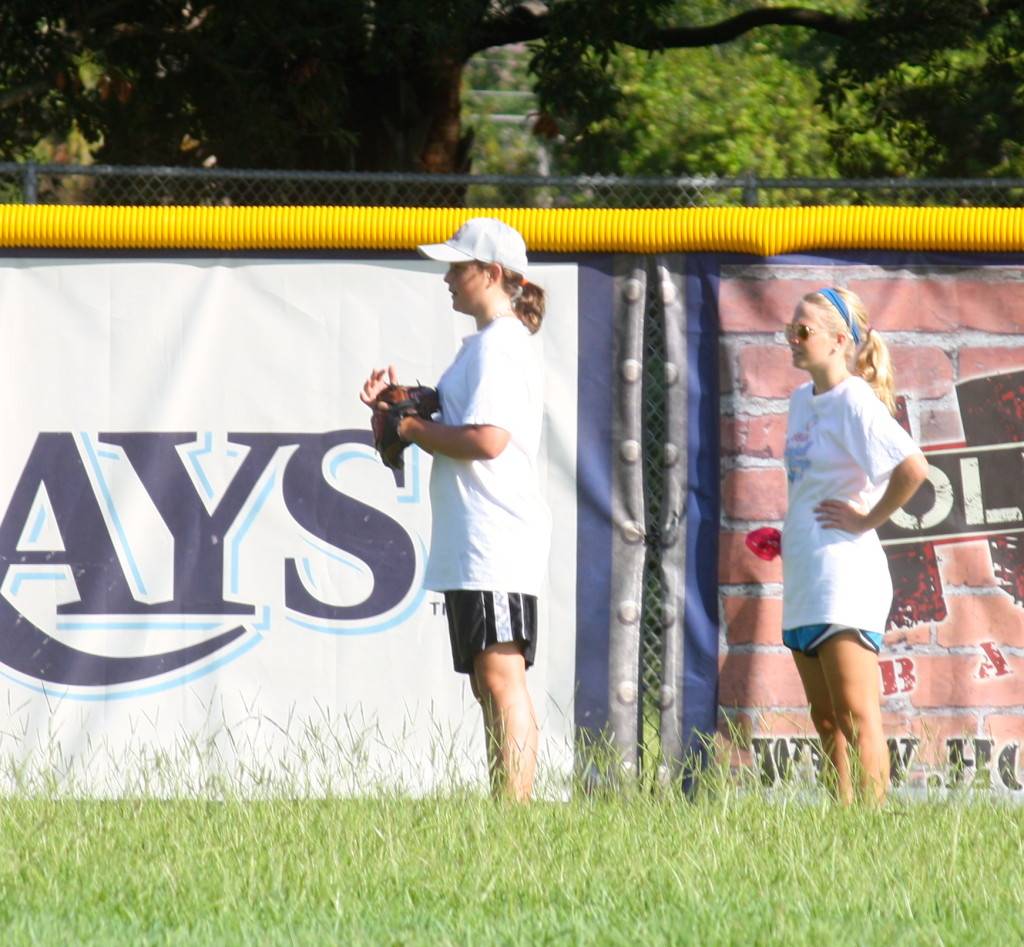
x=874, y=365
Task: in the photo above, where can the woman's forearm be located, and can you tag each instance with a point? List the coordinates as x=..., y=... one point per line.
x=906, y=478
x=461, y=442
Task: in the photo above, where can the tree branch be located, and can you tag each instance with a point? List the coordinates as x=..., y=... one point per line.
x=678, y=37
x=12, y=97
x=524, y=22
x=529, y=21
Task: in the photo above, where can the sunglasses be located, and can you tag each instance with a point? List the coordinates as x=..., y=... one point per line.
x=799, y=331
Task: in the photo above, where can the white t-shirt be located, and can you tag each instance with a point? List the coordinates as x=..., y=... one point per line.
x=490, y=526
x=842, y=444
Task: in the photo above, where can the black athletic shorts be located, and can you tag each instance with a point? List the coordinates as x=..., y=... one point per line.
x=477, y=620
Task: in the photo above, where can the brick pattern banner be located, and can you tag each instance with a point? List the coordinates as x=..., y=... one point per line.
x=952, y=669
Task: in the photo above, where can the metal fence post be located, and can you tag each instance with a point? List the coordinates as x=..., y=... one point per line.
x=750, y=195
x=30, y=187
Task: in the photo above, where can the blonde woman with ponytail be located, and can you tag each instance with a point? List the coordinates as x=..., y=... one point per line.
x=849, y=467
x=490, y=525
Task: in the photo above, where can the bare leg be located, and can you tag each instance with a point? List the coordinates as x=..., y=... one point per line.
x=500, y=676
x=833, y=742
x=851, y=671
x=491, y=737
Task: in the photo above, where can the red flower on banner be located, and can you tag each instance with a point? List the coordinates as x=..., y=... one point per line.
x=765, y=543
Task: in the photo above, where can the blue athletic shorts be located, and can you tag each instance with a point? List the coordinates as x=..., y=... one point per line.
x=807, y=639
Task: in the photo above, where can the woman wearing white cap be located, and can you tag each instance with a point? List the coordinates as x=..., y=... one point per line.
x=490, y=524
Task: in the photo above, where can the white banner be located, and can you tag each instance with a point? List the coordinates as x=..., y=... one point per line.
x=208, y=578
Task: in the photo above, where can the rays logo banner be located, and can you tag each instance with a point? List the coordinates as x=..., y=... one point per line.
x=192, y=514
x=86, y=558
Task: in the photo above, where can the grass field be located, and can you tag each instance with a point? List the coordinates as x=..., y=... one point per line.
x=731, y=868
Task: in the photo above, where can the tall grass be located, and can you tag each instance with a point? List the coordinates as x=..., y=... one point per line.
x=252, y=835
x=730, y=867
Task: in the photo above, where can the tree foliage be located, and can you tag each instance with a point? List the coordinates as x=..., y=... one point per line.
x=751, y=106
x=893, y=86
x=944, y=99
x=307, y=84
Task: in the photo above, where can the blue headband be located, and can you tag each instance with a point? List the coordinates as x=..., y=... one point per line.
x=833, y=297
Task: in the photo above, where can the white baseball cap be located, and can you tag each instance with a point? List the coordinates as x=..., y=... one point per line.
x=484, y=239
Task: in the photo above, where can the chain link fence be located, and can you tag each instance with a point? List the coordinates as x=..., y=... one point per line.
x=652, y=628
x=31, y=183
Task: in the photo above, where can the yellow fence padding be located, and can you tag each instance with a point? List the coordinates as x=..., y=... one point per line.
x=761, y=231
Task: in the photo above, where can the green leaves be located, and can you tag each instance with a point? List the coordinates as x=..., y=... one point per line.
x=913, y=89
x=749, y=106
x=941, y=98
x=851, y=87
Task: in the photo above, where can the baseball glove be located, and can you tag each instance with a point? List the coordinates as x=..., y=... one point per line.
x=394, y=403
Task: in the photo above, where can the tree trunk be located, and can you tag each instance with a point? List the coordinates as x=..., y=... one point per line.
x=414, y=123
x=445, y=149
